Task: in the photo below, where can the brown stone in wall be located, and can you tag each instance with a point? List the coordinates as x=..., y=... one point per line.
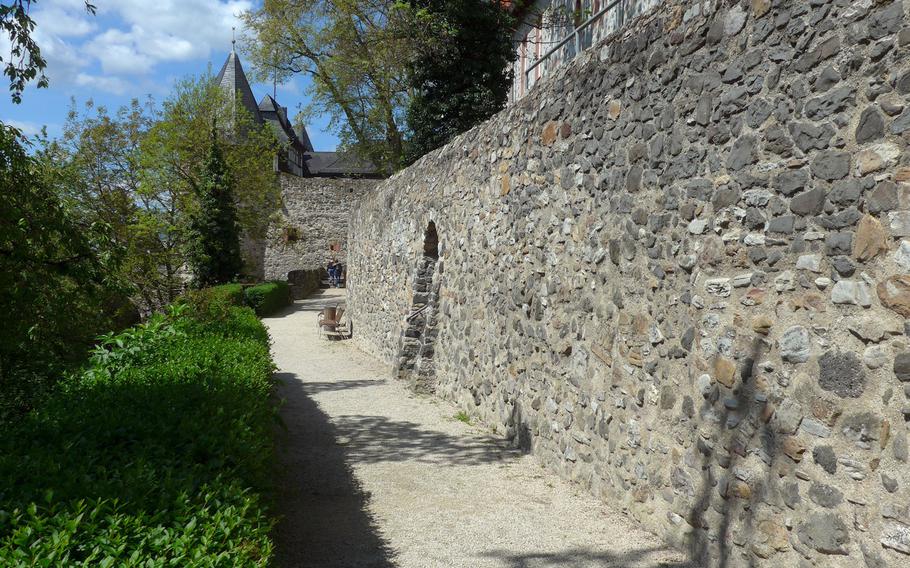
x=793, y=448
x=724, y=371
x=870, y=239
x=550, y=131
x=760, y=7
x=894, y=293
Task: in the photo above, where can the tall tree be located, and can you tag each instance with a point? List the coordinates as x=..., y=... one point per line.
x=214, y=244
x=357, y=61
x=460, y=71
x=141, y=169
x=57, y=273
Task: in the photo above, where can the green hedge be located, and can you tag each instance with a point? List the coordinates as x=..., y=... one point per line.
x=232, y=293
x=157, y=454
x=268, y=298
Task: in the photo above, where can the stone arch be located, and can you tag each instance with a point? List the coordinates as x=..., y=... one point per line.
x=418, y=340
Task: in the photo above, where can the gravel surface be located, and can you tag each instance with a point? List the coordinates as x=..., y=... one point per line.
x=372, y=475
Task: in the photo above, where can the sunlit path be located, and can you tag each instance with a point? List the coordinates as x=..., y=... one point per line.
x=372, y=475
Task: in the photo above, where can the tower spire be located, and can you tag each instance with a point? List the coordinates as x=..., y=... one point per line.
x=233, y=38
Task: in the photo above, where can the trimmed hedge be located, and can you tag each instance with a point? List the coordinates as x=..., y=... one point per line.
x=268, y=298
x=231, y=293
x=157, y=454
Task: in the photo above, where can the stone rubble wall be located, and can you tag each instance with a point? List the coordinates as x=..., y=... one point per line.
x=678, y=271
x=314, y=214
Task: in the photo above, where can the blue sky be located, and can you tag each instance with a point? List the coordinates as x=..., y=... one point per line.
x=130, y=49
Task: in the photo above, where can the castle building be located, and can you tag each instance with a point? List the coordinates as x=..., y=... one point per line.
x=298, y=157
x=318, y=190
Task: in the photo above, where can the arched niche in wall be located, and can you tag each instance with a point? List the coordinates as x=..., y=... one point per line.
x=431, y=241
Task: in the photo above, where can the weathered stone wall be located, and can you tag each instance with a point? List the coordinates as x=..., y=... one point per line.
x=677, y=272
x=314, y=215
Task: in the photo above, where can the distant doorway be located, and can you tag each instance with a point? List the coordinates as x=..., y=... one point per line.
x=418, y=340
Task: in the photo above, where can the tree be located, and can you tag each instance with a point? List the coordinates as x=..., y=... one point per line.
x=56, y=275
x=214, y=247
x=178, y=144
x=460, y=70
x=25, y=62
x=357, y=60
x=141, y=169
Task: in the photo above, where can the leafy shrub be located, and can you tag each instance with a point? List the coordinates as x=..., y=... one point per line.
x=157, y=454
x=232, y=293
x=268, y=298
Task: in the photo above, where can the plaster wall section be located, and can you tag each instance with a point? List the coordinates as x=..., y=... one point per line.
x=678, y=271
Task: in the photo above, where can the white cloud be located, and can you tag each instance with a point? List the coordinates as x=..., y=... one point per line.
x=169, y=30
x=59, y=18
x=111, y=84
x=118, y=53
x=290, y=87
x=123, y=44
x=27, y=128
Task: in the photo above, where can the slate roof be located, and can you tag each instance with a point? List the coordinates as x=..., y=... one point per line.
x=337, y=164
x=277, y=116
x=233, y=79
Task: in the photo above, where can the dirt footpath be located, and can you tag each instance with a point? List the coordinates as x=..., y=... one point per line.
x=374, y=476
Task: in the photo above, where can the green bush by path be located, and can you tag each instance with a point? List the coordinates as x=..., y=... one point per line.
x=158, y=454
x=232, y=293
x=268, y=298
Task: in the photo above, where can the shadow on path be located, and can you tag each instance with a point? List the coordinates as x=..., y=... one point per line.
x=325, y=519
x=583, y=557
x=312, y=303
x=375, y=439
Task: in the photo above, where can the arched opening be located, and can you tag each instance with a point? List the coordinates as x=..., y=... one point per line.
x=431, y=241
x=418, y=340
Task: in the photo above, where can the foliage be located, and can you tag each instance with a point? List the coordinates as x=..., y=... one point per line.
x=268, y=298
x=214, y=243
x=157, y=454
x=97, y=165
x=177, y=147
x=25, y=61
x=141, y=169
x=357, y=62
x=55, y=269
x=460, y=71
x=230, y=294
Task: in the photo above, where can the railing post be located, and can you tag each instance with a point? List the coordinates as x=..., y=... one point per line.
x=577, y=44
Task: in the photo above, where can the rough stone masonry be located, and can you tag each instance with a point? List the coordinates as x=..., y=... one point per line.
x=313, y=219
x=678, y=271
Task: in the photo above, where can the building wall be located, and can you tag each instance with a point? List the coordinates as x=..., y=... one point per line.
x=678, y=271
x=547, y=22
x=313, y=217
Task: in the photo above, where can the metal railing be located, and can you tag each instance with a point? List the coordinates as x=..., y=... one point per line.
x=575, y=37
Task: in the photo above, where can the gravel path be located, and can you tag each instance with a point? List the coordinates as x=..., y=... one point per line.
x=374, y=476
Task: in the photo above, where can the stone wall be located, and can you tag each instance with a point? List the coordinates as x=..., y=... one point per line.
x=677, y=272
x=314, y=216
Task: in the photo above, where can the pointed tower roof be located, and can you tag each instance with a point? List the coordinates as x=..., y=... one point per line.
x=233, y=80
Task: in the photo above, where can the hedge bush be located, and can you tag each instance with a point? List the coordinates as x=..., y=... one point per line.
x=157, y=454
x=268, y=298
x=232, y=293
